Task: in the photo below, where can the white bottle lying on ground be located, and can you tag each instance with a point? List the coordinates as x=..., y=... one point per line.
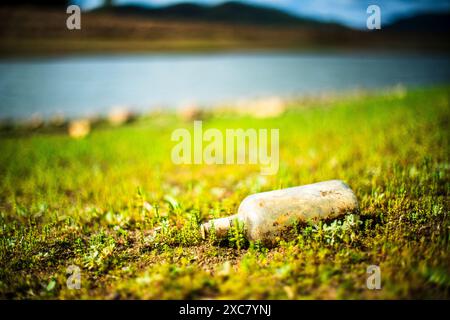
x=268, y=215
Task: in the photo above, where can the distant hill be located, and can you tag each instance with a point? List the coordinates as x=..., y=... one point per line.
x=430, y=23
x=39, y=27
x=228, y=12
x=41, y=3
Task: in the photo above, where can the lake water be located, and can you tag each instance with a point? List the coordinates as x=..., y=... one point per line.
x=87, y=85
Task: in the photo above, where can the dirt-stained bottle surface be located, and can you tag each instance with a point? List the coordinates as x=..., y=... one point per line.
x=269, y=215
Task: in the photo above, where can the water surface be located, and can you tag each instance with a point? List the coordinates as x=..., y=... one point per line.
x=86, y=85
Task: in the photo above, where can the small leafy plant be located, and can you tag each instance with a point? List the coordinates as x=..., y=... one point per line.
x=236, y=235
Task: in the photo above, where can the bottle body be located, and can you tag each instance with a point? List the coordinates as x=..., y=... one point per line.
x=268, y=215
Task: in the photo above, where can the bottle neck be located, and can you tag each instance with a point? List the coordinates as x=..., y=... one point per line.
x=220, y=227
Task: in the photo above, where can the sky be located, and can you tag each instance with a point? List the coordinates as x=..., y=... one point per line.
x=348, y=12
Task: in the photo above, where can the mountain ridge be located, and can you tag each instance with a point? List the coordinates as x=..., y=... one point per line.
x=187, y=27
x=427, y=22
x=230, y=11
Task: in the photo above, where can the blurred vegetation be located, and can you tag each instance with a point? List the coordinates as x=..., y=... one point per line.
x=115, y=205
x=41, y=30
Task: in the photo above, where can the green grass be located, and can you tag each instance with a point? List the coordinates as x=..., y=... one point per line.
x=85, y=202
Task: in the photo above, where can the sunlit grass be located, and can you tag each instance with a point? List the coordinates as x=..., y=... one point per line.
x=114, y=204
